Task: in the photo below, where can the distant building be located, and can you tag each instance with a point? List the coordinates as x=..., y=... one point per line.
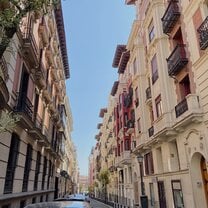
x=83, y=184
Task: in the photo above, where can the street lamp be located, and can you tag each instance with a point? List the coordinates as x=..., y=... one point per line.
x=143, y=197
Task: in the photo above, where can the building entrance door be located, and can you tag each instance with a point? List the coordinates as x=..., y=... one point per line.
x=161, y=193
x=204, y=176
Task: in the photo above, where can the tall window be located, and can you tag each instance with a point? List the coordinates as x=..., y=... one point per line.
x=135, y=66
x=148, y=162
x=151, y=115
x=28, y=161
x=127, y=144
x=139, y=125
x=151, y=31
x=177, y=193
x=49, y=174
x=152, y=195
x=37, y=170
x=12, y=162
x=136, y=97
x=158, y=104
x=44, y=172
x=184, y=87
x=154, y=69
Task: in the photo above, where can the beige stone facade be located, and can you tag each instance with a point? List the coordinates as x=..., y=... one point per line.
x=36, y=152
x=162, y=80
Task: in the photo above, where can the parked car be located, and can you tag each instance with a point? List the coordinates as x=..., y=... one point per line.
x=80, y=197
x=68, y=202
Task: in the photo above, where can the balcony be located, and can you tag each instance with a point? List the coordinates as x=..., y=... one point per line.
x=151, y=131
x=47, y=94
x=125, y=157
x=170, y=17
x=181, y=108
x=52, y=107
x=177, y=60
x=203, y=34
x=117, y=161
x=40, y=76
x=130, y=126
x=30, y=48
x=23, y=105
x=43, y=31
x=188, y=111
x=49, y=55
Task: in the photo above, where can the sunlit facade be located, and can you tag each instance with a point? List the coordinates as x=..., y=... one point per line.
x=161, y=106
x=34, y=69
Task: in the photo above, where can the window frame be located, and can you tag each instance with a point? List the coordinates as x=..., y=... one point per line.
x=176, y=190
x=151, y=31
x=154, y=68
x=158, y=106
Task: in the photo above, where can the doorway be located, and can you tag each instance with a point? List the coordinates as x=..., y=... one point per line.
x=161, y=193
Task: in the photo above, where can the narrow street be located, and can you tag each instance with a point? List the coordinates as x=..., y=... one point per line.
x=96, y=204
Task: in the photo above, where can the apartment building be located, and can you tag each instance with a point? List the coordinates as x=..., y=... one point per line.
x=161, y=106
x=34, y=69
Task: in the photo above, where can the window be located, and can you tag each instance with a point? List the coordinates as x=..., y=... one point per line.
x=37, y=170
x=44, y=172
x=135, y=67
x=28, y=161
x=49, y=173
x=125, y=119
x=127, y=144
x=152, y=195
x=151, y=31
x=177, y=193
x=22, y=204
x=33, y=200
x=184, y=87
x=12, y=162
x=158, y=104
x=154, y=69
x=151, y=115
x=41, y=198
x=136, y=97
x=139, y=126
x=148, y=162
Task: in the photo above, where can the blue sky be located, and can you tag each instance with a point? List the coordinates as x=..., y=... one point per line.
x=93, y=30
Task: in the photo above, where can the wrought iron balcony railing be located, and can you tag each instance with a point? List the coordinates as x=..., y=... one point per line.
x=24, y=105
x=181, y=107
x=177, y=60
x=170, y=17
x=203, y=34
x=30, y=48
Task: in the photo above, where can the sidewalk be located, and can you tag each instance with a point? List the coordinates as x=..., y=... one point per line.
x=98, y=204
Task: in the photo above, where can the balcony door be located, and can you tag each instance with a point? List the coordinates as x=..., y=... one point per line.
x=24, y=84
